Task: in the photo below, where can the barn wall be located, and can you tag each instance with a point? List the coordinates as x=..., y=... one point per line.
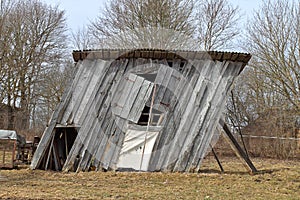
x=106, y=96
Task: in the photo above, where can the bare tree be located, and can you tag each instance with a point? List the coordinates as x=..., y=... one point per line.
x=272, y=80
x=266, y=97
x=163, y=24
x=167, y=24
x=274, y=40
x=33, y=39
x=82, y=39
x=217, y=24
x=50, y=91
x=5, y=7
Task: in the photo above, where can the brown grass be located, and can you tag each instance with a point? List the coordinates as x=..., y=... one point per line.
x=278, y=180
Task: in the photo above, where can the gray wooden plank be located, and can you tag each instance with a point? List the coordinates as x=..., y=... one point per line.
x=88, y=149
x=77, y=91
x=189, y=112
x=140, y=101
x=178, y=105
x=77, y=151
x=163, y=143
x=84, y=92
x=99, y=66
x=202, y=133
x=161, y=147
x=132, y=95
x=139, y=63
x=159, y=80
x=220, y=96
x=101, y=97
x=100, y=133
x=90, y=107
x=117, y=151
x=112, y=144
x=199, y=120
x=120, y=102
x=69, y=89
x=107, y=127
x=104, y=90
x=103, y=145
x=161, y=88
x=170, y=90
x=104, y=115
x=117, y=84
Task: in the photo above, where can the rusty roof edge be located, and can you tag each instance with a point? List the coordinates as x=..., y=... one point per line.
x=129, y=53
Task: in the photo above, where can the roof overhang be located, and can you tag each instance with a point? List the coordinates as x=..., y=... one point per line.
x=108, y=54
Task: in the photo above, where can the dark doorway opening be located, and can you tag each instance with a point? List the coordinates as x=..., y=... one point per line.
x=59, y=148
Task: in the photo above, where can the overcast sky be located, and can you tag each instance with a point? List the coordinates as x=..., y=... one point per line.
x=79, y=12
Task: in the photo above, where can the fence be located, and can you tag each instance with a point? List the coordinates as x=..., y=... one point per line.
x=263, y=146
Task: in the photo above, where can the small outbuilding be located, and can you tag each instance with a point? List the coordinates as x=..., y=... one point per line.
x=142, y=109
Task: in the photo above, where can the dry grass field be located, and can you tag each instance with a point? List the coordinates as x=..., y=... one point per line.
x=277, y=180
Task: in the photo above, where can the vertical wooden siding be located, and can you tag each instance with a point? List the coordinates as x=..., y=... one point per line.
x=106, y=95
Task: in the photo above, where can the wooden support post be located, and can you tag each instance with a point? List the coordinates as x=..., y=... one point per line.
x=49, y=153
x=66, y=143
x=237, y=148
x=13, y=154
x=55, y=157
x=217, y=159
x=148, y=124
x=4, y=155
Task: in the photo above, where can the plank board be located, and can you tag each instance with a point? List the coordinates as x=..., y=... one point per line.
x=120, y=100
x=98, y=74
x=132, y=96
x=142, y=97
x=77, y=90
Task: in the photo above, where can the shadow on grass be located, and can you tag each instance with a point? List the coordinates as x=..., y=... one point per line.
x=259, y=172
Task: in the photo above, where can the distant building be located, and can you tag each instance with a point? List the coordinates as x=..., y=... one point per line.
x=12, y=118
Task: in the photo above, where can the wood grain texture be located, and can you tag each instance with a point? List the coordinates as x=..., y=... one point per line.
x=109, y=92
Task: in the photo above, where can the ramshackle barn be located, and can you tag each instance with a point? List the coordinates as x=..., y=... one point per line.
x=149, y=110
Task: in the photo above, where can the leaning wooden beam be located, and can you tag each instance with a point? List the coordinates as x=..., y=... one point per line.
x=49, y=154
x=217, y=159
x=237, y=148
x=66, y=143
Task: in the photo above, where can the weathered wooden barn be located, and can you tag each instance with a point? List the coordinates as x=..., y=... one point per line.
x=143, y=109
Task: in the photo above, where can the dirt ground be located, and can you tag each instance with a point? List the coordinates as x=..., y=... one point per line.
x=277, y=179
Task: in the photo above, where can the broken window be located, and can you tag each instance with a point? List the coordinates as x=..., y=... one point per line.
x=156, y=117
x=148, y=77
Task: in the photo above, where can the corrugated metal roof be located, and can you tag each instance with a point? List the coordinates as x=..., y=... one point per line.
x=159, y=54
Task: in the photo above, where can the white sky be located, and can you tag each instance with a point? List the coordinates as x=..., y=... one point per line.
x=80, y=12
